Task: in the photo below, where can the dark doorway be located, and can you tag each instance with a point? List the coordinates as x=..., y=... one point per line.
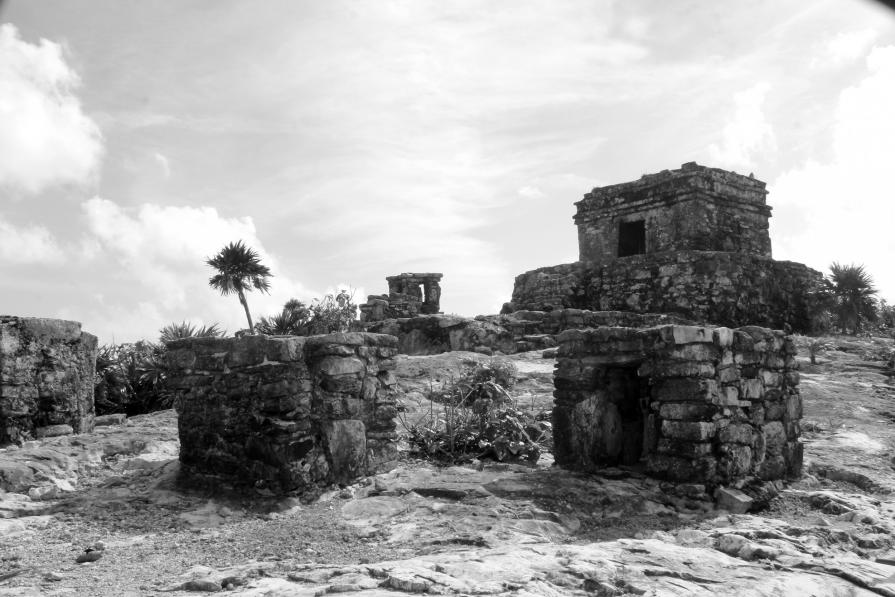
x=630, y=395
x=631, y=238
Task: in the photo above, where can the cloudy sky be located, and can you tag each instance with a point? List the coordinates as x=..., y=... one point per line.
x=350, y=140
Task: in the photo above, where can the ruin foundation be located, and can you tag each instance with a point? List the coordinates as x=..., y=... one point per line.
x=715, y=406
x=284, y=414
x=46, y=378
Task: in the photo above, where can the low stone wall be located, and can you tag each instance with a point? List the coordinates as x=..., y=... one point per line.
x=694, y=404
x=435, y=334
x=284, y=414
x=508, y=333
x=712, y=287
x=46, y=378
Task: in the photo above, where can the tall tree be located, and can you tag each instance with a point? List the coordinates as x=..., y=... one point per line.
x=239, y=270
x=853, y=288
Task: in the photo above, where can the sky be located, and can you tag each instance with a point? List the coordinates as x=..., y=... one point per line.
x=347, y=141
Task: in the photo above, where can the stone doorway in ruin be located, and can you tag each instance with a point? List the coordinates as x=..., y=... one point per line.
x=628, y=439
x=631, y=238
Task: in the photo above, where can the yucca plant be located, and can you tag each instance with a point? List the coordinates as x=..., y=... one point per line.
x=185, y=329
x=853, y=289
x=293, y=320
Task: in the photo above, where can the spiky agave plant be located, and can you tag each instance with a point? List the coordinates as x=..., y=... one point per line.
x=292, y=320
x=239, y=269
x=185, y=329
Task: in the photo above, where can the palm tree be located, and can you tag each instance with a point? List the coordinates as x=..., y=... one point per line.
x=853, y=288
x=239, y=269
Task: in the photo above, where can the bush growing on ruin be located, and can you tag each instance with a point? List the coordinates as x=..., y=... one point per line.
x=332, y=313
x=239, y=269
x=475, y=417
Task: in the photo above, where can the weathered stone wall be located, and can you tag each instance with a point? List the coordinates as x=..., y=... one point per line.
x=508, y=333
x=46, y=377
x=694, y=404
x=434, y=334
x=693, y=208
x=707, y=286
x=285, y=414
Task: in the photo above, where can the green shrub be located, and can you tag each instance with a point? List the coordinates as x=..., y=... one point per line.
x=130, y=378
x=475, y=417
x=332, y=313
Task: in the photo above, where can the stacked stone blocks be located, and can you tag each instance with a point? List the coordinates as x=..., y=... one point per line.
x=694, y=404
x=46, y=378
x=284, y=414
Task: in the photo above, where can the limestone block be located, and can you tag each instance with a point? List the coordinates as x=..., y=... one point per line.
x=677, y=468
x=751, y=389
x=734, y=461
x=728, y=374
x=728, y=396
x=346, y=449
x=732, y=500
x=770, y=379
x=659, y=369
x=688, y=430
x=53, y=431
x=683, y=448
x=113, y=419
x=736, y=433
x=685, y=389
x=685, y=334
x=687, y=411
x=793, y=407
x=722, y=337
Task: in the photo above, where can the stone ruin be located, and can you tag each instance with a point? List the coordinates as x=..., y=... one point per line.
x=46, y=378
x=409, y=295
x=284, y=414
x=692, y=242
x=713, y=406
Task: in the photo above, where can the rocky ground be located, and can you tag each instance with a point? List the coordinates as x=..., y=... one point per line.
x=478, y=529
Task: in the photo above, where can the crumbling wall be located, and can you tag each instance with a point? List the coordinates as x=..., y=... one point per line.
x=284, y=414
x=692, y=404
x=713, y=287
x=46, y=378
x=409, y=295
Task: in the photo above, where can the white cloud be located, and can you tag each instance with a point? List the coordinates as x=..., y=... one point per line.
x=748, y=133
x=163, y=163
x=28, y=245
x=159, y=253
x=849, y=46
x=47, y=139
x=843, y=210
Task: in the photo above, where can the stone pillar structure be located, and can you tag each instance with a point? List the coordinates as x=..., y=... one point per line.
x=409, y=295
x=47, y=368
x=691, y=404
x=284, y=414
